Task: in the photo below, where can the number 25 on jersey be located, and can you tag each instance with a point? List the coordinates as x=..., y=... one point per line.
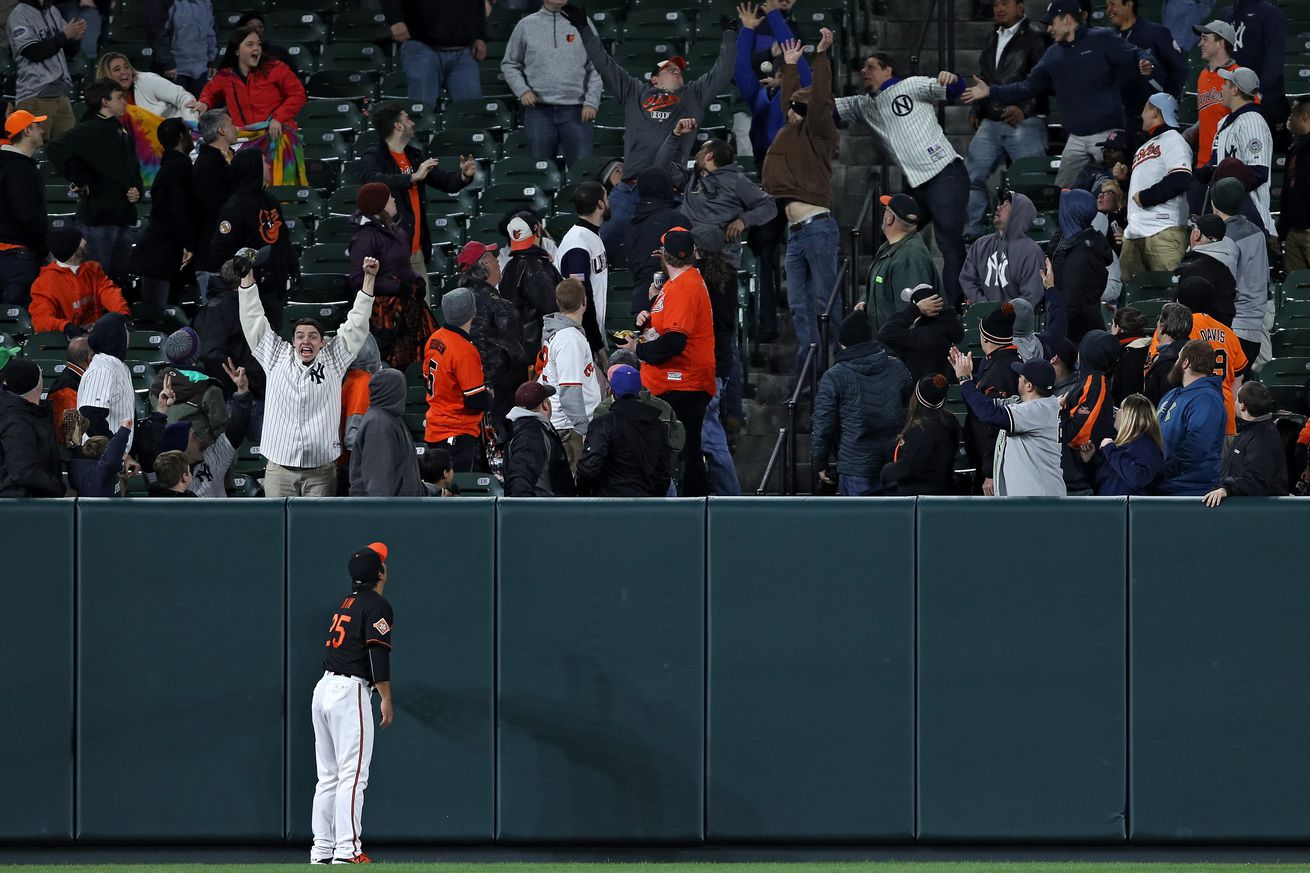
x=337, y=633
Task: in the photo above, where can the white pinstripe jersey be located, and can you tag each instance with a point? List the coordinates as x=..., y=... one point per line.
x=1245, y=135
x=905, y=119
x=302, y=404
x=107, y=384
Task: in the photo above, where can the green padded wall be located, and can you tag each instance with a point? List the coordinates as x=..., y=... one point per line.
x=810, y=722
x=1022, y=674
x=432, y=773
x=180, y=670
x=36, y=792
x=601, y=670
x=1220, y=670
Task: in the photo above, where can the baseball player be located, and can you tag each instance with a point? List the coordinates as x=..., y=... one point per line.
x=357, y=663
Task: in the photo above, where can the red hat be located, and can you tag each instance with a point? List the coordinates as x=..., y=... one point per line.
x=472, y=253
x=372, y=198
x=677, y=60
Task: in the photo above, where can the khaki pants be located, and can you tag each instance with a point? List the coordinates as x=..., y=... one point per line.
x=1163, y=251
x=59, y=114
x=573, y=444
x=282, y=481
x=1296, y=250
x=1079, y=151
x=421, y=267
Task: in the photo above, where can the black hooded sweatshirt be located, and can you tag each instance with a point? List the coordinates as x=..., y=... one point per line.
x=652, y=218
x=922, y=342
x=1087, y=411
x=252, y=218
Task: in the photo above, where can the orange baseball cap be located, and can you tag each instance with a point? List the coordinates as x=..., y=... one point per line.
x=380, y=548
x=21, y=119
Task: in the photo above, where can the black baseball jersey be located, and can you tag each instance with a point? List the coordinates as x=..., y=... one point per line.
x=359, y=638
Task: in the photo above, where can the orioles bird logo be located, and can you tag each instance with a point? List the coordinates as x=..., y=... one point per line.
x=270, y=225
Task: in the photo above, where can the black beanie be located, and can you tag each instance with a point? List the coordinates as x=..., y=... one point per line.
x=932, y=390
x=21, y=375
x=855, y=329
x=1196, y=293
x=63, y=241
x=109, y=335
x=655, y=184
x=998, y=325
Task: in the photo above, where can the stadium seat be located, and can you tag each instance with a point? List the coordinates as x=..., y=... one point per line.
x=1297, y=286
x=395, y=85
x=14, y=319
x=1043, y=227
x=342, y=201
x=303, y=58
x=485, y=229
x=294, y=25
x=972, y=316
x=145, y=340
x=1150, y=309
x=361, y=22
x=499, y=198
x=336, y=230
x=525, y=170
x=1291, y=342
x=338, y=84
x=143, y=376
x=1035, y=177
x=559, y=224
x=447, y=233
x=478, y=485
x=486, y=113
x=1149, y=285
x=666, y=23
x=354, y=56
x=46, y=341
x=328, y=316
x=325, y=258
x=463, y=203
x=640, y=55
x=1286, y=379
x=149, y=316
x=607, y=25
x=321, y=288
x=463, y=141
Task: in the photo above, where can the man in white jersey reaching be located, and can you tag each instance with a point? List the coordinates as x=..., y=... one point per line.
x=302, y=401
x=1156, y=236
x=902, y=112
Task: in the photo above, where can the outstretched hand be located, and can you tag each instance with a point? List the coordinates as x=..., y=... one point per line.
x=961, y=363
x=167, y=397
x=792, y=51
x=979, y=90
x=237, y=375
x=825, y=39
x=750, y=15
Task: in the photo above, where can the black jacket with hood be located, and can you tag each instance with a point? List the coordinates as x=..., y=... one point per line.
x=652, y=218
x=377, y=165
x=158, y=254
x=626, y=453
x=528, y=281
x=921, y=342
x=1155, y=380
x=22, y=190
x=383, y=462
x=1255, y=465
x=252, y=218
x=1087, y=411
x=29, y=454
x=536, y=465
x=1216, y=263
x=924, y=461
x=1081, y=263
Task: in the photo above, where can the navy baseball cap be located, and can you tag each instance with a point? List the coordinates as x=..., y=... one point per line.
x=1061, y=7
x=1038, y=372
x=1117, y=141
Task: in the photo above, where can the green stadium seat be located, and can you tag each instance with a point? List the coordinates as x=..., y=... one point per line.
x=335, y=230
x=145, y=340
x=485, y=229
x=395, y=85
x=1293, y=313
x=354, y=55
x=639, y=55
x=610, y=115
x=1150, y=285
x=668, y=23
x=487, y=113
x=1286, y=379
x=328, y=316
x=249, y=460
x=544, y=174
x=514, y=145
x=558, y=225
x=493, y=82
x=303, y=57
x=14, y=319
x=289, y=194
x=321, y=288
x=463, y=203
x=1290, y=342
x=702, y=55
x=607, y=25
x=150, y=316
x=59, y=199
x=478, y=485
x=447, y=233
x=498, y=198
x=325, y=258
x=415, y=424
x=47, y=341
x=342, y=201
x=464, y=141
x=359, y=22
x=143, y=376
x=608, y=142
x=1297, y=285
x=1297, y=79
x=1035, y=177
x=972, y=316
x=347, y=84
x=244, y=485
x=295, y=25
x=1150, y=308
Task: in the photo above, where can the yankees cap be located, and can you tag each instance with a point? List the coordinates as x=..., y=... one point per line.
x=1244, y=79
x=1061, y=7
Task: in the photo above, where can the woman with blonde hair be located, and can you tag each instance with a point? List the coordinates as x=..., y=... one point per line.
x=1129, y=464
x=148, y=91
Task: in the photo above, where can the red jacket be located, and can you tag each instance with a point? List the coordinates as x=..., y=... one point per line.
x=61, y=297
x=271, y=90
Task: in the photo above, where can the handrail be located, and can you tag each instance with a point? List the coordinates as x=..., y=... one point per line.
x=825, y=317
x=856, y=232
x=778, y=446
x=923, y=38
x=789, y=460
x=945, y=44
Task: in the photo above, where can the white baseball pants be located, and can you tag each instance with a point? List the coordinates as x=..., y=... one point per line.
x=342, y=712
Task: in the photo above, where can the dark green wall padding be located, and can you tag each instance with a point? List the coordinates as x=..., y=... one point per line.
x=670, y=672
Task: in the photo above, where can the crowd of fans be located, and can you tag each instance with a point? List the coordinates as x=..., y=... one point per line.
x=522, y=378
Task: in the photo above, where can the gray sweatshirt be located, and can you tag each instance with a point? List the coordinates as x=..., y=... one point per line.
x=1028, y=451
x=650, y=113
x=383, y=463
x=1003, y=266
x=1252, y=274
x=545, y=55
x=48, y=76
x=714, y=200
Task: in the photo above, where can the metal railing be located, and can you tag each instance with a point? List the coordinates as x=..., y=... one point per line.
x=857, y=231
x=815, y=363
x=941, y=13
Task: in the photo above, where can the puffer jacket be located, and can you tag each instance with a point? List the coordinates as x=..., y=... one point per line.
x=383, y=463
x=536, y=465
x=396, y=276
x=271, y=91
x=859, y=409
x=1007, y=264
x=1215, y=262
x=29, y=456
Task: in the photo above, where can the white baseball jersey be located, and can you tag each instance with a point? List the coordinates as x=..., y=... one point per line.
x=598, y=275
x=905, y=120
x=107, y=384
x=207, y=476
x=1245, y=135
x=302, y=404
x=1162, y=154
x=569, y=365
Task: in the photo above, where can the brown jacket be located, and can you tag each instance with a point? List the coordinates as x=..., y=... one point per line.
x=799, y=163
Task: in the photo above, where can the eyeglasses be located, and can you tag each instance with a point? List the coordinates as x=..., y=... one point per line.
x=799, y=108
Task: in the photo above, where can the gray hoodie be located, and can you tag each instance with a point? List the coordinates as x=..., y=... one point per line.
x=1003, y=266
x=714, y=200
x=1224, y=251
x=1252, y=275
x=570, y=400
x=1025, y=331
x=650, y=113
x=546, y=56
x=384, y=463
x=1028, y=453
x=368, y=359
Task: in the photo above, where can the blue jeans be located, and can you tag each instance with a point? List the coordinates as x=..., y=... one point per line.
x=110, y=245
x=623, y=205
x=558, y=130
x=91, y=39
x=943, y=200
x=428, y=70
x=1180, y=16
x=996, y=141
x=18, y=269
x=854, y=486
x=732, y=392
x=714, y=445
x=811, y=272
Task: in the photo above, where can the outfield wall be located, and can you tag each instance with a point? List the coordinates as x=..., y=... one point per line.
x=788, y=670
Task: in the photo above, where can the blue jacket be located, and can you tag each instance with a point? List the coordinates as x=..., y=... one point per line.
x=767, y=115
x=1085, y=76
x=860, y=407
x=97, y=477
x=1130, y=469
x=1170, y=72
x=1193, y=421
x=1261, y=30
